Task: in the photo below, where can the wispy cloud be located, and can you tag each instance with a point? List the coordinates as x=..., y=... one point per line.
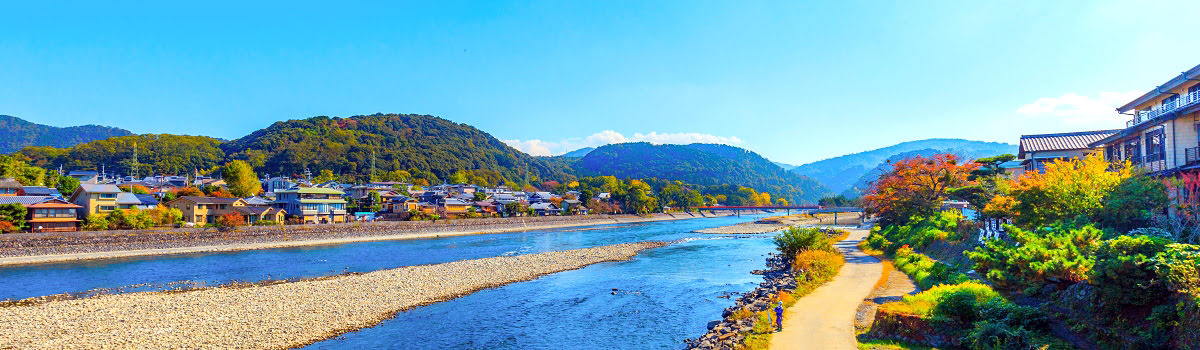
x=550, y=148
x=1077, y=109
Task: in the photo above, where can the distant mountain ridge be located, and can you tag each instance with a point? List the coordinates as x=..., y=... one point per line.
x=850, y=173
x=579, y=153
x=702, y=164
x=17, y=133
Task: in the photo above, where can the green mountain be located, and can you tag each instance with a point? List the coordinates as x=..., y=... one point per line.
x=391, y=142
x=17, y=133
x=849, y=174
x=785, y=166
x=156, y=154
x=702, y=164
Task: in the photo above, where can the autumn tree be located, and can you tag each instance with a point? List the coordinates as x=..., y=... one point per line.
x=915, y=186
x=326, y=175
x=241, y=179
x=1068, y=189
x=189, y=191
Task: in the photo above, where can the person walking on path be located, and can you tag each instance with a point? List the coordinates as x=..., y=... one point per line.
x=779, y=316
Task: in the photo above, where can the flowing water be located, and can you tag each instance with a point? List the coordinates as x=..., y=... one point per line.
x=656, y=300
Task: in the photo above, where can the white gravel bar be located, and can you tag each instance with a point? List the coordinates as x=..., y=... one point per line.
x=275, y=316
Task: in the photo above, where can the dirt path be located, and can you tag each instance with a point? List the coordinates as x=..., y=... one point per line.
x=825, y=318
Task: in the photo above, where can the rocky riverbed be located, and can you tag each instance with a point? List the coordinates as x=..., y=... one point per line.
x=729, y=332
x=279, y=315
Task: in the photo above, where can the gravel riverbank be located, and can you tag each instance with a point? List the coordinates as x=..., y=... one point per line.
x=275, y=316
x=36, y=248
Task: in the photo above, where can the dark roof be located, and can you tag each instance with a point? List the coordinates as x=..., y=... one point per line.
x=82, y=172
x=251, y=210
x=209, y=200
x=147, y=199
x=24, y=200
x=37, y=191
x=1062, y=141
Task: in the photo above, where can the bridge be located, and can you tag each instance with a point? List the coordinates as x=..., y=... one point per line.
x=802, y=209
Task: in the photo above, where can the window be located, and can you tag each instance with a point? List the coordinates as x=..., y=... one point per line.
x=1156, y=146
x=107, y=208
x=1193, y=89
x=108, y=195
x=1133, y=150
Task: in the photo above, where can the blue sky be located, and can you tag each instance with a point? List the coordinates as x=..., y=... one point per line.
x=796, y=82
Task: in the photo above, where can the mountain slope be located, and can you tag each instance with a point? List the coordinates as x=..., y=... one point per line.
x=842, y=174
x=394, y=141
x=17, y=133
x=579, y=153
x=702, y=164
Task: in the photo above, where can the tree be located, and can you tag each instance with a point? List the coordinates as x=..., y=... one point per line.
x=136, y=189
x=221, y=193
x=66, y=185
x=95, y=222
x=241, y=179
x=229, y=221
x=16, y=166
x=13, y=213
x=915, y=186
x=1067, y=190
x=991, y=166
x=189, y=191
x=1133, y=204
x=479, y=196
x=326, y=175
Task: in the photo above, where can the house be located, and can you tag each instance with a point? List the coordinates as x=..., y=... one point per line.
x=257, y=202
x=85, y=177
x=46, y=213
x=205, y=210
x=1161, y=137
x=1013, y=168
x=277, y=184
x=40, y=191
x=504, y=198
x=603, y=196
x=10, y=187
x=126, y=200
x=538, y=197
x=402, y=204
x=254, y=214
x=454, y=207
x=312, y=204
x=95, y=199
x=485, y=207
x=544, y=209
x=573, y=205
x=1037, y=150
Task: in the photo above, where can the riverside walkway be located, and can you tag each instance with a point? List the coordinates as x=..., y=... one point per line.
x=825, y=318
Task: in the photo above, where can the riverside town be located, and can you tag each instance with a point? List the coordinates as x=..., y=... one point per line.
x=569, y=175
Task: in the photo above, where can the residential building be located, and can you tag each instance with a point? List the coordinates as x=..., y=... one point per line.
x=1037, y=150
x=127, y=200
x=205, y=210
x=85, y=177
x=47, y=214
x=1162, y=135
x=544, y=209
x=312, y=204
x=402, y=204
x=254, y=214
x=10, y=187
x=40, y=191
x=95, y=199
x=454, y=207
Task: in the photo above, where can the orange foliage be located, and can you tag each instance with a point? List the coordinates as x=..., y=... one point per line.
x=916, y=186
x=189, y=191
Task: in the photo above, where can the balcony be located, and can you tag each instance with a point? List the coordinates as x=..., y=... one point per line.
x=1191, y=156
x=1184, y=101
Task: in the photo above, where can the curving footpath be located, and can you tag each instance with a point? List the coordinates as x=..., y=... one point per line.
x=825, y=318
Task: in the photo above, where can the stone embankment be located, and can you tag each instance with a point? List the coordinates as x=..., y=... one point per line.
x=275, y=316
x=730, y=332
x=26, y=248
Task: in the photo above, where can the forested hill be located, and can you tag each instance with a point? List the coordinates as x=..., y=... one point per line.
x=840, y=174
x=703, y=164
x=17, y=133
x=394, y=141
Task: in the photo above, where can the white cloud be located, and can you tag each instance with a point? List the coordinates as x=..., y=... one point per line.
x=548, y=148
x=1073, y=108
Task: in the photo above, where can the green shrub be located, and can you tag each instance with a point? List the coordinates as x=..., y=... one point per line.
x=817, y=265
x=266, y=223
x=1133, y=203
x=1179, y=268
x=795, y=240
x=1055, y=255
x=1126, y=270
x=925, y=271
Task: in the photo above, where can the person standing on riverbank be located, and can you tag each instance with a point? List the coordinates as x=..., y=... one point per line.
x=779, y=316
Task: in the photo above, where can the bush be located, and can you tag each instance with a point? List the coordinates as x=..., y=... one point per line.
x=266, y=223
x=925, y=271
x=1133, y=203
x=925, y=303
x=229, y=221
x=95, y=222
x=1179, y=268
x=8, y=227
x=1125, y=270
x=814, y=265
x=794, y=240
x=921, y=231
x=1055, y=255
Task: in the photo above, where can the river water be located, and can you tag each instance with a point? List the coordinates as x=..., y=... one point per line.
x=656, y=300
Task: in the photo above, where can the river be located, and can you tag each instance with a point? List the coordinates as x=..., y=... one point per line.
x=656, y=300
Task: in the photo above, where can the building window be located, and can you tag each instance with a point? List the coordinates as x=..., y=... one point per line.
x=107, y=208
x=1133, y=150
x=1156, y=146
x=108, y=195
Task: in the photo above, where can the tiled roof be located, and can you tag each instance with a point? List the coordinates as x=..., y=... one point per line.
x=23, y=200
x=210, y=200
x=10, y=183
x=37, y=191
x=90, y=188
x=1062, y=141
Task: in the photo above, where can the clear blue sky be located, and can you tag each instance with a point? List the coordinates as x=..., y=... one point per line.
x=794, y=82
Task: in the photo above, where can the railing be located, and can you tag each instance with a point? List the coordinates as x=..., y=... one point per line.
x=47, y=216
x=1183, y=101
x=1191, y=155
x=1155, y=166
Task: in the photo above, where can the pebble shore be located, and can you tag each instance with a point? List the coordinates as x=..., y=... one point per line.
x=275, y=316
x=34, y=248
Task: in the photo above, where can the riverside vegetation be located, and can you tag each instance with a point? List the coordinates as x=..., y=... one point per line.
x=806, y=260
x=1089, y=261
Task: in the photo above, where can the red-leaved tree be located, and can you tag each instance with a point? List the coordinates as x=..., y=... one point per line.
x=915, y=186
